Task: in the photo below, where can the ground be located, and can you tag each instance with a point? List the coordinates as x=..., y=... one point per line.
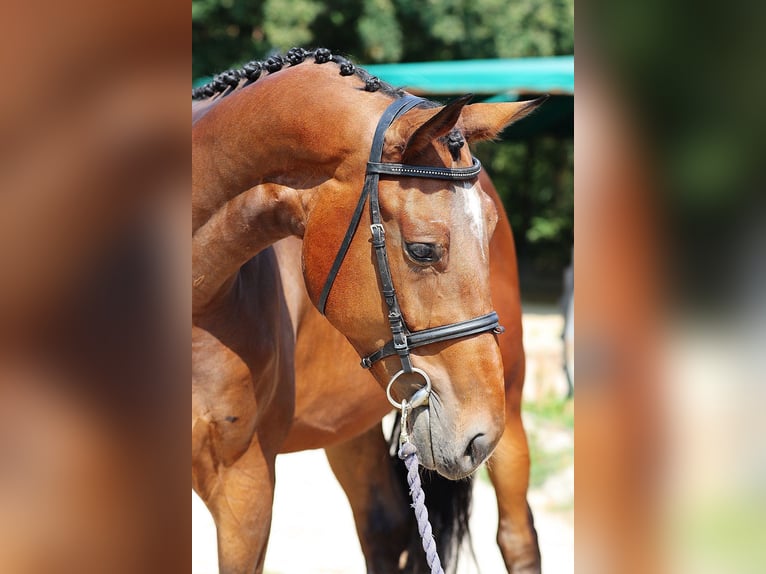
x=313, y=530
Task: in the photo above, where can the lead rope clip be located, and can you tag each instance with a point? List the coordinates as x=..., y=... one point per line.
x=404, y=436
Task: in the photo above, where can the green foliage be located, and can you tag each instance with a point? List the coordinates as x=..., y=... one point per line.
x=545, y=463
x=286, y=23
x=462, y=29
x=227, y=32
x=533, y=176
x=543, y=419
x=379, y=31
x=557, y=413
x=535, y=179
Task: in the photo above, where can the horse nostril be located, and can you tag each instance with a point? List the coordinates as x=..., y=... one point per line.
x=476, y=448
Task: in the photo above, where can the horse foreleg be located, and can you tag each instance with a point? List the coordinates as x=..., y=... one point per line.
x=239, y=496
x=509, y=471
x=378, y=500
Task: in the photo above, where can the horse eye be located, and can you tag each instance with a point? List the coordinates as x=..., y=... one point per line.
x=423, y=252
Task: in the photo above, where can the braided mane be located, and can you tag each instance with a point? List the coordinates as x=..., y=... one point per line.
x=226, y=82
x=232, y=80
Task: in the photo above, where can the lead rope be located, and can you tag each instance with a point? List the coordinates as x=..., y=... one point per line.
x=409, y=454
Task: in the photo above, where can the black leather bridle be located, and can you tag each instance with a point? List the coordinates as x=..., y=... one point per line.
x=403, y=340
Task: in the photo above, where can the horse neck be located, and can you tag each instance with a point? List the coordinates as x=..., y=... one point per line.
x=262, y=156
x=201, y=107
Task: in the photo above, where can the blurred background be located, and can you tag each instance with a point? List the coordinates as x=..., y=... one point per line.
x=669, y=178
x=671, y=322
x=94, y=296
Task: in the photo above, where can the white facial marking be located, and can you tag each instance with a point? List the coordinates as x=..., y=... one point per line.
x=472, y=208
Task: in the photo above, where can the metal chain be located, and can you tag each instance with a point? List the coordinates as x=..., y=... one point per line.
x=408, y=453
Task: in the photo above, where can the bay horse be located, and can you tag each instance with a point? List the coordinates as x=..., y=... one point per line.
x=336, y=399
x=287, y=155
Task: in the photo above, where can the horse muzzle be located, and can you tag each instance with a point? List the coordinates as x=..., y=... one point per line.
x=454, y=455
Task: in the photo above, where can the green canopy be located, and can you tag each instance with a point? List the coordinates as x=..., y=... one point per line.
x=496, y=81
x=553, y=75
x=508, y=77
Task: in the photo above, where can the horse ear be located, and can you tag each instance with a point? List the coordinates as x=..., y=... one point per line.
x=486, y=121
x=435, y=123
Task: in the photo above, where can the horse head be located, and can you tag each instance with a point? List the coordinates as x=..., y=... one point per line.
x=436, y=232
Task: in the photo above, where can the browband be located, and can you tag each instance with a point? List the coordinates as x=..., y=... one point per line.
x=404, y=170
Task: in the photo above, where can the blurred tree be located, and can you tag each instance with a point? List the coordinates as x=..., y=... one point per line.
x=224, y=33
x=533, y=176
x=230, y=32
x=535, y=179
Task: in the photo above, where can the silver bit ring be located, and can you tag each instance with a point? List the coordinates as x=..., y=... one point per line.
x=420, y=397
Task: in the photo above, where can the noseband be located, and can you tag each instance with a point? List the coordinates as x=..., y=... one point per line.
x=403, y=340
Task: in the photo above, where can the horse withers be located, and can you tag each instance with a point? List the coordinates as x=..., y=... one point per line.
x=289, y=154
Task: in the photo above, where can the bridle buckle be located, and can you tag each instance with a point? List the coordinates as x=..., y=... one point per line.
x=400, y=342
x=378, y=234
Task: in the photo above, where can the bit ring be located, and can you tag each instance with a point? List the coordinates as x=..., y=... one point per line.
x=420, y=397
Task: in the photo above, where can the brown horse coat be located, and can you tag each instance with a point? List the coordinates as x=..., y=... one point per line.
x=286, y=157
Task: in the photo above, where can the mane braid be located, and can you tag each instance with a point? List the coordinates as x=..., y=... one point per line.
x=229, y=81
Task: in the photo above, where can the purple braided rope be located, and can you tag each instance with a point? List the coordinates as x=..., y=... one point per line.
x=408, y=453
